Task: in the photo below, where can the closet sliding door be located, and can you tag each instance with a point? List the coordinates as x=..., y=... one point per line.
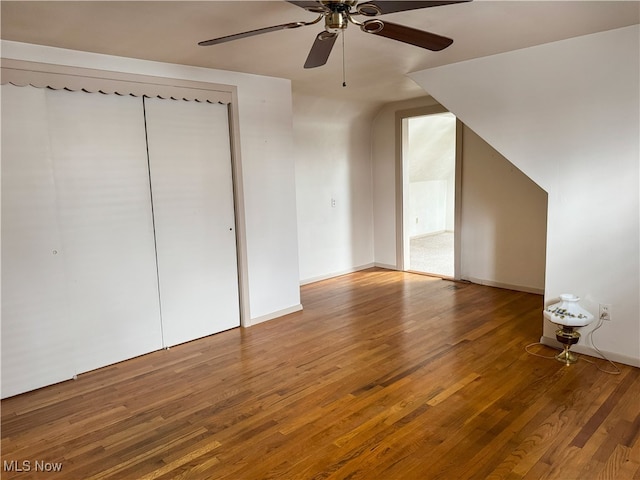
x=192, y=190
x=37, y=349
x=100, y=166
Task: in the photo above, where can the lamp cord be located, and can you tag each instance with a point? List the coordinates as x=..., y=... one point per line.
x=590, y=337
x=526, y=349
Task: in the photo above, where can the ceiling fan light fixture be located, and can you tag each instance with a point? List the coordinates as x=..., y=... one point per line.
x=326, y=35
x=368, y=9
x=372, y=26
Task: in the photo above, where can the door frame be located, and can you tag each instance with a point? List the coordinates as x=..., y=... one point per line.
x=401, y=137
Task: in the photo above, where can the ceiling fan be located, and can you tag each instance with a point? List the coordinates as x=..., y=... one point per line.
x=337, y=14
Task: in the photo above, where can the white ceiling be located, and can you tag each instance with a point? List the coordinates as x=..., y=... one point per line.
x=376, y=67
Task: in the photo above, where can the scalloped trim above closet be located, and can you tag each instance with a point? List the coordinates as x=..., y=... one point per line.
x=59, y=77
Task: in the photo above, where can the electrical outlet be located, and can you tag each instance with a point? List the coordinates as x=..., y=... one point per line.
x=333, y=202
x=605, y=312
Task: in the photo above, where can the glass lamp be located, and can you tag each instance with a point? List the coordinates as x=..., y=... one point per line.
x=568, y=315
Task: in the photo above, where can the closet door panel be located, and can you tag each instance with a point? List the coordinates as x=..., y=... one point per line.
x=100, y=165
x=192, y=188
x=37, y=349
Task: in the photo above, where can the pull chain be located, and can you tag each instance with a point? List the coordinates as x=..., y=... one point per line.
x=344, y=70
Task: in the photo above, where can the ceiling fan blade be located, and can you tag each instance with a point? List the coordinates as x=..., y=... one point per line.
x=251, y=33
x=372, y=7
x=409, y=35
x=321, y=49
x=307, y=4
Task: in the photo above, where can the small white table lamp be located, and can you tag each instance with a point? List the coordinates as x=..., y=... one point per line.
x=569, y=315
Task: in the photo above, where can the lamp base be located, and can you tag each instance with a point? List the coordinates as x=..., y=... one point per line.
x=566, y=356
x=567, y=336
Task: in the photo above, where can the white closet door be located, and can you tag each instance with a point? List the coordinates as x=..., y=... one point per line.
x=190, y=164
x=37, y=349
x=100, y=164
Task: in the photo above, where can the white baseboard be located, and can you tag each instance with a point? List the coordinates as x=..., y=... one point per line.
x=385, y=266
x=271, y=316
x=519, y=288
x=307, y=281
x=586, y=350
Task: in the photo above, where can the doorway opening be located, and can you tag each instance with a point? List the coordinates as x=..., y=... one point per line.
x=429, y=180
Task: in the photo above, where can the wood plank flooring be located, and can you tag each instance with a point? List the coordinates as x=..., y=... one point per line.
x=384, y=375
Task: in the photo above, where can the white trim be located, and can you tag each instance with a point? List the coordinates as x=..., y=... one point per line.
x=586, y=350
x=386, y=266
x=508, y=286
x=273, y=315
x=401, y=248
x=307, y=281
x=59, y=77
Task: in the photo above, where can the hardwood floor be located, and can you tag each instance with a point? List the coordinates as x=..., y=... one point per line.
x=384, y=375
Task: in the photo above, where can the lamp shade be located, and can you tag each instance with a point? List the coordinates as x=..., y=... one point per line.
x=568, y=312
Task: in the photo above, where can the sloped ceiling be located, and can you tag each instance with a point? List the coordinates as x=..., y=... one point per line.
x=376, y=67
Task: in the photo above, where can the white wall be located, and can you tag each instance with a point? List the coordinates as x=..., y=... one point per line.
x=504, y=220
x=568, y=115
x=429, y=158
x=427, y=209
x=265, y=111
x=333, y=163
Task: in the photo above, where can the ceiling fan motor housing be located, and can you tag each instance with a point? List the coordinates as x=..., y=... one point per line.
x=337, y=15
x=336, y=22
